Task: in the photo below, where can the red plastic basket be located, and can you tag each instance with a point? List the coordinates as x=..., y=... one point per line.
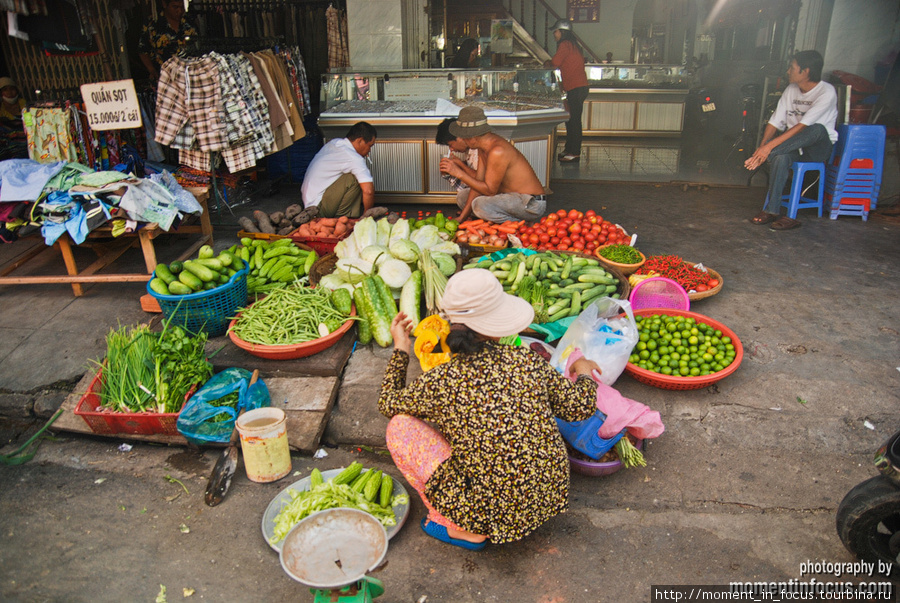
x=684, y=383
x=323, y=245
x=101, y=422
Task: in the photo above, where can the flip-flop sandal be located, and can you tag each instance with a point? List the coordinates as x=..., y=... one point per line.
x=785, y=223
x=436, y=530
x=763, y=217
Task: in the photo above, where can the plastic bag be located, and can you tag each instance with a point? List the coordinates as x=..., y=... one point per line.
x=196, y=421
x=603, y=334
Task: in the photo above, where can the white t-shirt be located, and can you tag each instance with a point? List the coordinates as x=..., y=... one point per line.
x=337, y=157
x=818, y=106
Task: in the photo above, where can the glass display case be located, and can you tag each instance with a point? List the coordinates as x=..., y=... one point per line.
x=636, y=100
x=439, y=91
x=405, y=107
x=639, y=76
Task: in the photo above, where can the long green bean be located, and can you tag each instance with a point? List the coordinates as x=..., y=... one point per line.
x=288, y=316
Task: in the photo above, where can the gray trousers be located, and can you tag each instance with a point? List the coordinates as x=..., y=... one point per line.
x=505, y=206
x=816, y=146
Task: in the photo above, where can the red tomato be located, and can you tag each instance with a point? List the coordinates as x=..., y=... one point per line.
x=563, y=247
x=579, y=245
x=599, y=219
x=575, y=228
x=591, y=245
x=574, y=214
x=551, y=231
x=590, y=236
x=713, y=283
x=602, y=239
x=566, y=241
x=561, y=213
x=534, y=238
x=554, y=240
x=528, y=231
x=545, y=238
x=595, y=228
x=590, y=213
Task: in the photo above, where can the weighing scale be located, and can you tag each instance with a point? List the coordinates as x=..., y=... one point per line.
x=332, y=551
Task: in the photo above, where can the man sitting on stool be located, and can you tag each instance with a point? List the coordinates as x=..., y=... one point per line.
x=338, y=180
x=504, y=187
x=806, y=114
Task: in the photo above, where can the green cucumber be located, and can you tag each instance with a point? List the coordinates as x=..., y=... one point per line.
x=340, y=299
x=206, y=252
x=176, y=267
x=159, y=286
x=411, y=297
x=179, y=288
x=190, y=279
x=376, y=313
x=363, y=328
x=387, y=298
x=163, y=273
x=200, y=271
x=211, y=263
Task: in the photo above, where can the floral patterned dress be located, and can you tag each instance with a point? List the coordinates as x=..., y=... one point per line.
x=509, y=471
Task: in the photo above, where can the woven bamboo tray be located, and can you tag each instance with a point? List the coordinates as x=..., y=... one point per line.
x=704, y=294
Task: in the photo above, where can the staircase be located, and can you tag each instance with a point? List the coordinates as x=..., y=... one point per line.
x=532, y=19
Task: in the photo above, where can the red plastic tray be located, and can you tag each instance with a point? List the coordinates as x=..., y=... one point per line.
x=684, y=383
x=120, y=422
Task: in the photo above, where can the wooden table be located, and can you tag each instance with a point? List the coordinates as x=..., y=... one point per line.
x=109, y=250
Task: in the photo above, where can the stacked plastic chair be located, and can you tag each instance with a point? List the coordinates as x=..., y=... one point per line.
x=853, y=175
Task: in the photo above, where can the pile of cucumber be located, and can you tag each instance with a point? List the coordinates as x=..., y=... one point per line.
x=205, y=273
x=556, y=285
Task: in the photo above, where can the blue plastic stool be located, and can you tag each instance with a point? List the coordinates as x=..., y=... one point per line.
x=796, y=199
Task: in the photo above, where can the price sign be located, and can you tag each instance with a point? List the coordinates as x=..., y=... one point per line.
x=111, y=105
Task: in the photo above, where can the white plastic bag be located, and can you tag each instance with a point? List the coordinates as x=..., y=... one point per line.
x=603, y=335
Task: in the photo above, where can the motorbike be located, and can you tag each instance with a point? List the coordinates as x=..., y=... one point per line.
x=868, y=518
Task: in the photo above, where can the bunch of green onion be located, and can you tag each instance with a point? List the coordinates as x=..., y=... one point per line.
x=128, y=373
x=435, y=282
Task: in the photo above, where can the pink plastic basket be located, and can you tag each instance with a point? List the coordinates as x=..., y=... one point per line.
x=659, y=292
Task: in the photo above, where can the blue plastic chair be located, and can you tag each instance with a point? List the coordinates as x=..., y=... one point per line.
x=797, y=199
x=854, y=172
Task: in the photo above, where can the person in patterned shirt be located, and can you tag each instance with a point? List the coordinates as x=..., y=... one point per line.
x=494, y=466
x=163, y=38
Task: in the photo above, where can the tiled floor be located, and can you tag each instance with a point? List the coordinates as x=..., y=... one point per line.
x=683, y=159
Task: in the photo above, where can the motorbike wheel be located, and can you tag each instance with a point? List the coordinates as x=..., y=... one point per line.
x=868, y=522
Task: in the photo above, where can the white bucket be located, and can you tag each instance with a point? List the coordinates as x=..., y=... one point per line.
x=264, y=443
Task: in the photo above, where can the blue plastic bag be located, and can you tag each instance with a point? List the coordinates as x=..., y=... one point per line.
x=195, y=421
x=584, y=436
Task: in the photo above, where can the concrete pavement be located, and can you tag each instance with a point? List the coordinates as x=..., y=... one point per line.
x=743, y=485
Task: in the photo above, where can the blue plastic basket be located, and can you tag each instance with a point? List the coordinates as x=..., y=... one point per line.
x=210, y=311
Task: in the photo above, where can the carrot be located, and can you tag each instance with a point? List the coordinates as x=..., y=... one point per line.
x=489, y=230
x=473, y=223
x=507, y=229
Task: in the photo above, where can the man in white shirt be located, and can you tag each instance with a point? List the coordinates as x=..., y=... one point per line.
x=338, y=180
x=805, y=117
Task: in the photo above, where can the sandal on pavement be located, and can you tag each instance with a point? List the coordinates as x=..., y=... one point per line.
x=785, y=223
x=436, y=530
x=763, y=217
x=570, y=158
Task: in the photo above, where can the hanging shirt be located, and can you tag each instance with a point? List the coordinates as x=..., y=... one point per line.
x=818, y=106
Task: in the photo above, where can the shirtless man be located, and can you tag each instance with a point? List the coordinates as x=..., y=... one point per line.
x=504, y=187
